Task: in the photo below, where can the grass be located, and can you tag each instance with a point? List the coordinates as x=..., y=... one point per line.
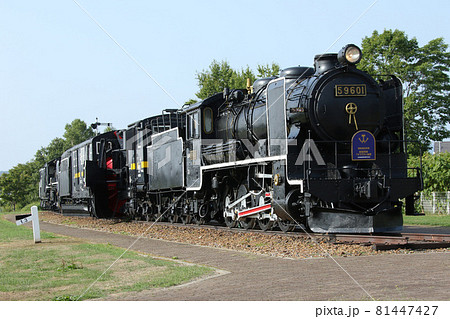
x=428, y=220
x=27, y=208
x=62, y=268
x=10, y=232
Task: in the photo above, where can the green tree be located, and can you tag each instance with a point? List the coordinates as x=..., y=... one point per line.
x=20, y=185
x=17, y=187
x=424, y=73
x=40, y=158
x=55, y=148
x=52, y=151
x=435, y=170
x=109, y=129
x=76, y=132
x=190, y=102
x=221, y=75
x=266, y=71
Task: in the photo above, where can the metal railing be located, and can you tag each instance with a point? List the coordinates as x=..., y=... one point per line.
x=435, y=203
x=341, y=155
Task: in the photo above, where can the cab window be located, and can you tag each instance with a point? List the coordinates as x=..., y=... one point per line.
x=194, y=125
x=208, y=120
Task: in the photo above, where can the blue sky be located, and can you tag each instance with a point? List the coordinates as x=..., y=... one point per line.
x=56, y=64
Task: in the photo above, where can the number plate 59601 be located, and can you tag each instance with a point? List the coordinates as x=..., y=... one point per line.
x=350, y=90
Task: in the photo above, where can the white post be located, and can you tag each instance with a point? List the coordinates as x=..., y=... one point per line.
x=434, y=202
x=422, y=206
x=35, y=222
x=448, y=203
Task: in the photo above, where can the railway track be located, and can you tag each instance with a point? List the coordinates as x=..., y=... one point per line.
x=395, y=241
x=386, y=241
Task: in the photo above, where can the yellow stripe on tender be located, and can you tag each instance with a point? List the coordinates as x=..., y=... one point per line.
x=133, y=166
x=144, y=164
x=77, y=175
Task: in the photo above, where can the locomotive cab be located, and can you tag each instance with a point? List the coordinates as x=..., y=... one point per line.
x=202, y=143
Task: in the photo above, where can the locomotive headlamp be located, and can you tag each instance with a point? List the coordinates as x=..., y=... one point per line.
x=350, y=54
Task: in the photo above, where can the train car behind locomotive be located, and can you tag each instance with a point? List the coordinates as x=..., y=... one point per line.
x=48, y=185
x=143, y=139
x=91, y=177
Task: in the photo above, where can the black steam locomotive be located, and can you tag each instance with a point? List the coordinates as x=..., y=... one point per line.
x=322, y=147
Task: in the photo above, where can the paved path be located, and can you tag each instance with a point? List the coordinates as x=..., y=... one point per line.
x=418, y=276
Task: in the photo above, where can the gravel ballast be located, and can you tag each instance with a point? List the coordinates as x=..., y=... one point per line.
x=270, y=244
